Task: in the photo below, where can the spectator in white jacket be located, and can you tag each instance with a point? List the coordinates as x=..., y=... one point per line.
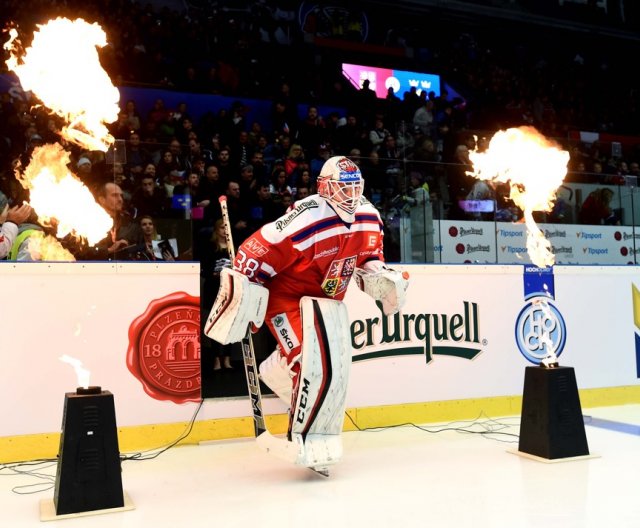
x=425, y=119
x=378, y=133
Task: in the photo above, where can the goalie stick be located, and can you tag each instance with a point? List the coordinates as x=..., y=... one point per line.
x=248, y=353
x=279, y=447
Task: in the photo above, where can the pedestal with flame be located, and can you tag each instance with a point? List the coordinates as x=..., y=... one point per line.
x=88, y=477
x=551, y=425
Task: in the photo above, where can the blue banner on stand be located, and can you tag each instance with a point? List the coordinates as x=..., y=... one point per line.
x=540, y=328
x=538, y=281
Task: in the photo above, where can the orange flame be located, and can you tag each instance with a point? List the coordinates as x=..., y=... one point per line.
x=534, y=167
x=47, y=248
x=56, y=193
x=62, y=68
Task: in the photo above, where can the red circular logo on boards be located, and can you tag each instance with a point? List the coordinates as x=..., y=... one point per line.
x=460, y=249
x=453, y=231
x=164, y=348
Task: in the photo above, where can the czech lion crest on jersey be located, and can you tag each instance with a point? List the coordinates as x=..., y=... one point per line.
x=337, y=278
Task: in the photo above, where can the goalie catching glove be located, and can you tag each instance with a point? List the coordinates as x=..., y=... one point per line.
x=239, y=303
x=384, y=284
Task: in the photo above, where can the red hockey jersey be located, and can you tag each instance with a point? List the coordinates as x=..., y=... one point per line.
x=310, y=251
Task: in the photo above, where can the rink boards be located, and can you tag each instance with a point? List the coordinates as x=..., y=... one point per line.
x=462, y=341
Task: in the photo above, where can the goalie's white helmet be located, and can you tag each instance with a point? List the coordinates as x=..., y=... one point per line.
x=340, y=182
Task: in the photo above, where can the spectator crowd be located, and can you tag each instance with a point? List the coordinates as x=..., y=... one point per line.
x=177, y=164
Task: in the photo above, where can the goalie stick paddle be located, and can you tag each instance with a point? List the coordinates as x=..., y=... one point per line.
x=248, y=354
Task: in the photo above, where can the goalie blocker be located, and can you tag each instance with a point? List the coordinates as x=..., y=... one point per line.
x=239, y=303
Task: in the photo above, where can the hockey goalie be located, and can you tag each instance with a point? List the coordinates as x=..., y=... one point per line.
x=292, y=274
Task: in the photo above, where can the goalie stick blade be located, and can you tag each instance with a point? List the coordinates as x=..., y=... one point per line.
x=324, y=471
x=288, y=451
x=279, y=447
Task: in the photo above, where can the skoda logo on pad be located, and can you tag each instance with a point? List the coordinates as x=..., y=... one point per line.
x=278, y=320
x=540, y=330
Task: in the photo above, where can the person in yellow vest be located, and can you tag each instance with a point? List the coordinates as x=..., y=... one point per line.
x=20, y=248
x=10, y=220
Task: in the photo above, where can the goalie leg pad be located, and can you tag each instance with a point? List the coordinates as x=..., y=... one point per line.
x=317, y=417
x=238, y=304
x=318, y=451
